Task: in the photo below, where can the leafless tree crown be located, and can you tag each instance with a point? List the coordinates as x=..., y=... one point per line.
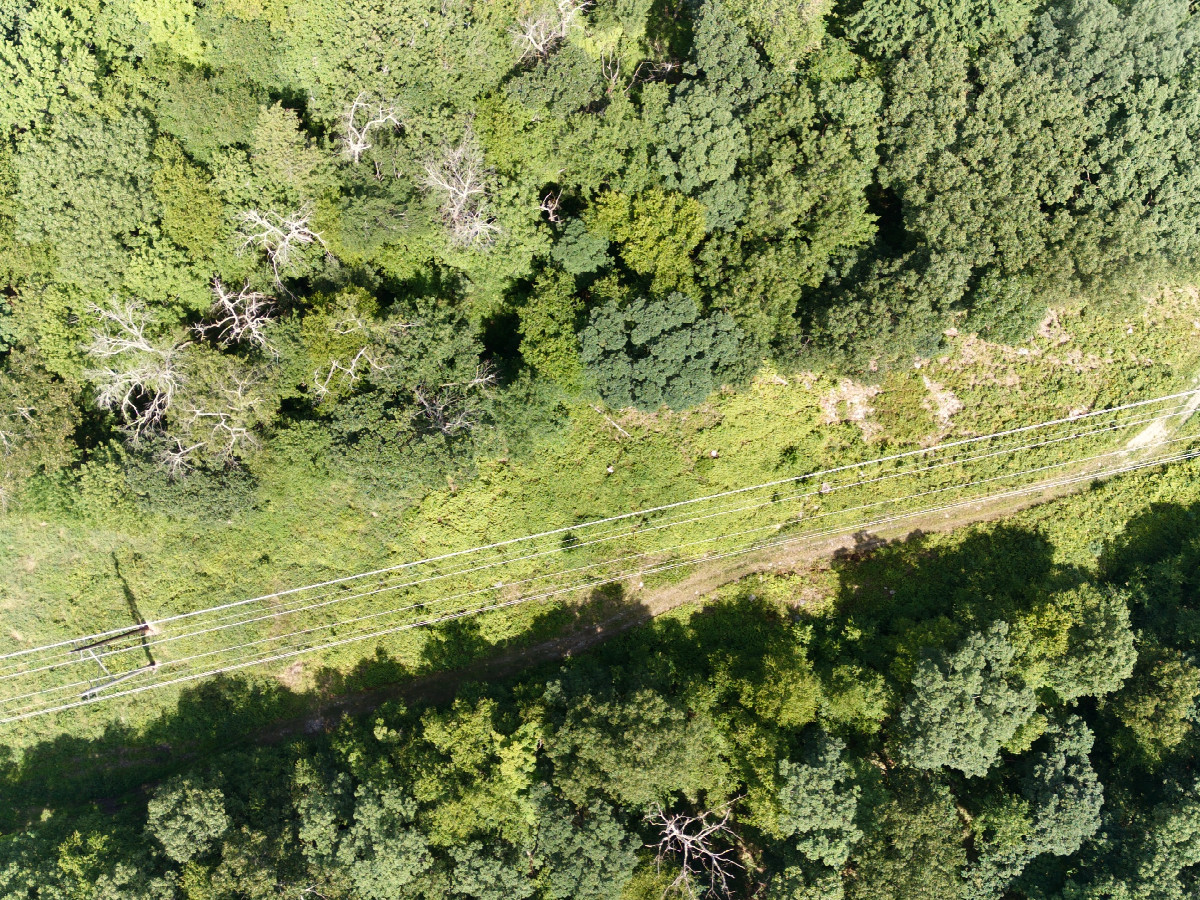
x=279, y=237
x=367, y=358
x=457, y=174
x=222, y=428
x=239, y=318
x=135, y=376
x=362, y=117
x=538, y=33
x=453, y=407
x=692, y=842
x=549, y=206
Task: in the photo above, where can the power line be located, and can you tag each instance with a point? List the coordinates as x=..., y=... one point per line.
x=385, y=588
x=639, y=513
x=859, y=465
x=339, y=597
x=609, y=579
x=506, y=604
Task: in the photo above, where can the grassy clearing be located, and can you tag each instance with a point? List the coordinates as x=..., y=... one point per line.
x=67, y=574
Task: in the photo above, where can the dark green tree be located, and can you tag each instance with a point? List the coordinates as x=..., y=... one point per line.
x=818, y=803
x=584, y=855
x=649, y=353
x=912, y=844
x=966, y=705
x=1056, y=810
x=186, y=818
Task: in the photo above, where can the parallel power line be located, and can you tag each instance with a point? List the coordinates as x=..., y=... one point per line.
x=31, y=680
x=229, y=620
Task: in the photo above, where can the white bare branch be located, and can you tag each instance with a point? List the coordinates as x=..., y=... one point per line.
x=458, y=175
x=538, y=33
x=123, y=330
x=364, y=116
x=362, y=361
x=239, y=318
x=610, y=68
x=484, y=377
x=692, y=841
x=137, y=378
x=223, y=429
x=454, y=405
x=279, y=237
x=179, y=459
x=442, y=411
x=549, y=206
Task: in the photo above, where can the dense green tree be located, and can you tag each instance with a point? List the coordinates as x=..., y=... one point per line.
x=818, y=803
x=966, y=705
x=488, y=873
x=890, y=28
x=38, y=416
x=700, y=138
x=186, y=818
x=1151, y=856
x=1078, y=643
x=911, y=847
x=585, y=856
x=548, y=318
x=191, y=211
x=382, y=853
x=639, y=750
x=649, y=353
x=86, y=188
x=656, y=233
x=579, y=251
x=1057, y=809
x=1157, y=704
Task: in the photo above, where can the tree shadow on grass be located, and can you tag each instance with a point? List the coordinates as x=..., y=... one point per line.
x=230, y=711
x=887, y=596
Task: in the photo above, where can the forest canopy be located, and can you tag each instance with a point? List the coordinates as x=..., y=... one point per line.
x=394, y=223
x=257, y=251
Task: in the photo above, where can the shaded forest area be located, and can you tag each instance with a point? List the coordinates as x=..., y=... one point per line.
x=397, y=235
x=374, y=242
x=960, y=717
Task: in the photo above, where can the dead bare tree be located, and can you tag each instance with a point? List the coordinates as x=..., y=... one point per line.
x=458, y=175
x=136, y=377
x=549, y=206
x=538, y=33
x=239, y=318
x=364, y=116
x=691, y=840
x=610, y=69
x=226, y=428
x=454, y=406
x=364, y=360
x=179, y=459
x=279, y=237
x=219, y=425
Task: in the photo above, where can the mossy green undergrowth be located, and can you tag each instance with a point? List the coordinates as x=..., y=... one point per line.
x=110, y=558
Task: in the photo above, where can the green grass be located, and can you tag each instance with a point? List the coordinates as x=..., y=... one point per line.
x=70, y=573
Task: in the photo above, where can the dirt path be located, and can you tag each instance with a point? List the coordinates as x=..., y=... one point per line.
x=641, y=605
x=1160, y=430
